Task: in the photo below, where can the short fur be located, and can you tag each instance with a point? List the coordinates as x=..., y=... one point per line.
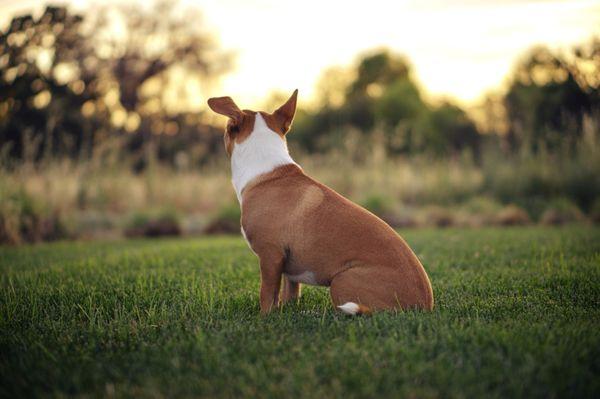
x=305, y=232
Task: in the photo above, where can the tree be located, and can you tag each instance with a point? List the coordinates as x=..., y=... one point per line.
x=383, y=93
x=550, y=93
x=446, y=130
x=156, y=45
x=376, y=70
x=400, y=101
x=68, y=81
x=45, y=81
x=360, y=97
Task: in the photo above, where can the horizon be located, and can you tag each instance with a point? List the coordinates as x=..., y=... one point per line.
x=481, y=41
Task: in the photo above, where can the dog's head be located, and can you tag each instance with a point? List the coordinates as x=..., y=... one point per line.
x=241, y=122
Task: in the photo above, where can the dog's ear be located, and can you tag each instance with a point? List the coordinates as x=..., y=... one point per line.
x=226, y=106
x=285, y=113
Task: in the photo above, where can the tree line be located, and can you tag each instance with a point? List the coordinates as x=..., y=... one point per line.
x=549, y=98
x=70, y=83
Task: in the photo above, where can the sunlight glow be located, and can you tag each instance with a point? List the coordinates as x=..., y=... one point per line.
x=460, y=49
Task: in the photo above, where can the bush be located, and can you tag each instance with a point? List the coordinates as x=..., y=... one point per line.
x=439, y=217
x=163, y=223
x=227, y=221
x=561, y=211
x=381, y=206
x=530, y=180
x=24, y=219
x=595, y=212
x=479, y=211
x=377, y=204
x=94, y=224
x=401, y=220
x=512, y=215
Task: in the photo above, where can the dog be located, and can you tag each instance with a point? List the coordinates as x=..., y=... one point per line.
x=307, y=233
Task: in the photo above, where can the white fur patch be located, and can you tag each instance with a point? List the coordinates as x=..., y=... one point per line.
x=262, y=152
x=306, y=277
x=350, y=308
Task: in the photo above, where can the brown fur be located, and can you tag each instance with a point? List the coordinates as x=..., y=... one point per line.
x=281, y=120
x=296, y=225
x=240, y=123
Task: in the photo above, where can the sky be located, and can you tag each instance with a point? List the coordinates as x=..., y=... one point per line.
x=459, y=49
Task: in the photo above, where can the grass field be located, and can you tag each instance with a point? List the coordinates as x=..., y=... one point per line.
x=517, y=315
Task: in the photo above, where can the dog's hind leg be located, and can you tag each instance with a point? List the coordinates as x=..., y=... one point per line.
x=364, y=289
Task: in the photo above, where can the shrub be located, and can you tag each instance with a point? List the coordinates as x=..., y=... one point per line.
x=24, y=219
x=530, y=180
x=227, y=221
x=439, y=217
x=561, y=211
x=595, y=212
x=512, y=215
x=479, y=211
x=163, y=223
x=93, y=224
x=401, y=220
x=381, y=206
x=377, y=204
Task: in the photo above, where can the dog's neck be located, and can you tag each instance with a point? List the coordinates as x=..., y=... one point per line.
x=262, y=152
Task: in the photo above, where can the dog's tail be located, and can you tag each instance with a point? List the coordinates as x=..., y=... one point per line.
x=352, y=308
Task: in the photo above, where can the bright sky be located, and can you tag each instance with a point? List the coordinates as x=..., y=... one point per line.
x=459, y=48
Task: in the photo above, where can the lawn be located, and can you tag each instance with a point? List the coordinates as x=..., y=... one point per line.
x=517, y=315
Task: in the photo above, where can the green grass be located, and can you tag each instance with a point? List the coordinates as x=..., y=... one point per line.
x=517, y=315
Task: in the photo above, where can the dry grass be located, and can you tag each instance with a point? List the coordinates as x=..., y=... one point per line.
x=85, y=199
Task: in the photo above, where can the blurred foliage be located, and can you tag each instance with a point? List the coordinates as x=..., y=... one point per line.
x=561, y=211
x=377, y=204
x=550, y=98
x=550, y=94
x=226, y=221
x=24, y=218
x=101, y=116
x=595, y=212
x=165, y=222
x=512, y=215
x=68, y=83
x=380, y=92
x=103, y=199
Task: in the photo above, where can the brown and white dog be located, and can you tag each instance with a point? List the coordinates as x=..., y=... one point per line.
x=306, y=232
